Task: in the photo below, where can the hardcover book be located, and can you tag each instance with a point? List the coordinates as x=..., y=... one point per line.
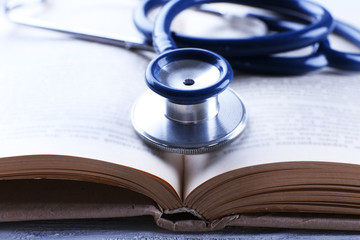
x=68, y=149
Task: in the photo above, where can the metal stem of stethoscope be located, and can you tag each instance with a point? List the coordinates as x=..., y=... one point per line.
x=99, y=37
x=113, y=39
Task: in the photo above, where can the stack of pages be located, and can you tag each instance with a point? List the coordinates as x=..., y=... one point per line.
x=68, y=149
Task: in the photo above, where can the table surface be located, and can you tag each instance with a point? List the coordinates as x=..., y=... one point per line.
x=145, y=228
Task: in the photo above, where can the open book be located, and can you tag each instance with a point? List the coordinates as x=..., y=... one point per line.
x=65, y=114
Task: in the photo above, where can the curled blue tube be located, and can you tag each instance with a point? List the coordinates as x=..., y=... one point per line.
x=300, y=23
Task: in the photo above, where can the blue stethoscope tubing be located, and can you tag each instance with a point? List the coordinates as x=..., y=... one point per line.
x=299, y=24
x=338, y=59
x=256, y=54
x=191, y=108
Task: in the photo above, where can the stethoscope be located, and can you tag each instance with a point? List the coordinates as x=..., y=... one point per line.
x=190, y=108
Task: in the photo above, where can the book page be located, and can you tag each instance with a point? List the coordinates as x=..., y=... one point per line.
x=315, y=117
x=71, y=97
x=310, y=118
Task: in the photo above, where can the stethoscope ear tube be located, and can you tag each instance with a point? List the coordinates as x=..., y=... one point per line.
x=319, y=28
x=282, y=65
x=141, y=19
x=253, y=54
x=339, y=59
x=302, y=24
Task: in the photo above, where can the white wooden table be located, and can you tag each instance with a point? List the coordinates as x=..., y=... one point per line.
x=145, y=229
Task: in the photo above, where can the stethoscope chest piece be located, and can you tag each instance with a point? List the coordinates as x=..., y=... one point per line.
x=190, y=109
